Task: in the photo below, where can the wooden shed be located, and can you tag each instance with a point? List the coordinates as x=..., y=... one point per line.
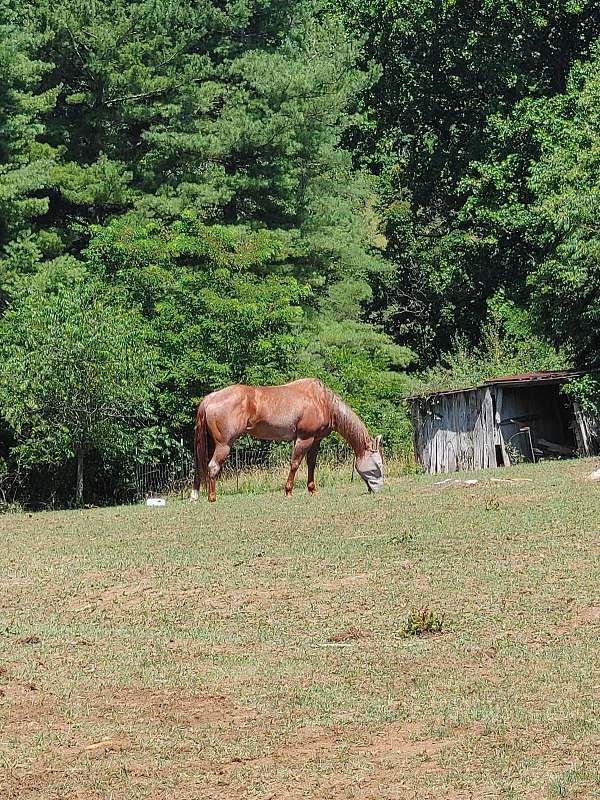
x=514, y=418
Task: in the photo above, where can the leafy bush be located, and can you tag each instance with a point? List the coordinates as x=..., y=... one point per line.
x=76, y=376
x=211, y=314
x=585, y=391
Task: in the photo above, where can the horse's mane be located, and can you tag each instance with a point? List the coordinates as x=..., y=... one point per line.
x=347, y=423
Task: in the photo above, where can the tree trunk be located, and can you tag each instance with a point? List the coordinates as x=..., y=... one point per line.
x=79, y=494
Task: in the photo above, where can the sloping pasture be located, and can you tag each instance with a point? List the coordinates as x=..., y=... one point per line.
x=255, y=648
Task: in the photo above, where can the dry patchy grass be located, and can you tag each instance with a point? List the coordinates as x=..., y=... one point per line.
x=251, y=649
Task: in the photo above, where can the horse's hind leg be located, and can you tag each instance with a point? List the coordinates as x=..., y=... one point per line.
x=301, y=447
x=311, y=462
x=212, y=490
x=214, y=469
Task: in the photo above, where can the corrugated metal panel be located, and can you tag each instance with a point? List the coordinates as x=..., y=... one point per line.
x=558, y=376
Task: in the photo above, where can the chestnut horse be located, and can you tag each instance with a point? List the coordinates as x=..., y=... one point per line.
x=303, y=412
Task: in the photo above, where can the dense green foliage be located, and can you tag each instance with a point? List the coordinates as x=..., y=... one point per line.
x=74, y=376
x=188, y=158
x=566, y=281
x=469, y=99
x=214, y=312
x=507, y=346
x=359, y=192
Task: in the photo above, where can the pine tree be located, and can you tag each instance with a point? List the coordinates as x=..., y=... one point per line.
x=25, y=160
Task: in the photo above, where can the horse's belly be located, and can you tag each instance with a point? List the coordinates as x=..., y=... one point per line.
x=277, y=432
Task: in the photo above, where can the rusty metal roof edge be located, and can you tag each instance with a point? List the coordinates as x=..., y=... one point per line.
x=539, y=377
x=444, y=392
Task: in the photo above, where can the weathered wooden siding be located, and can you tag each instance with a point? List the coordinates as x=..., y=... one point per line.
x=587, y=431
x=464, y=430
x=455, y=431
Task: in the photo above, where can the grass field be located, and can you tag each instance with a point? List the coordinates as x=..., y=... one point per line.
x=254, y=648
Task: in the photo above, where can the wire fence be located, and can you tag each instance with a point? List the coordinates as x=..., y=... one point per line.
x=10, y=486
x=175, y=476
x=252, y=468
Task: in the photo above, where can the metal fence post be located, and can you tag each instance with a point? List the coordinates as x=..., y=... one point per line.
x=182, y=474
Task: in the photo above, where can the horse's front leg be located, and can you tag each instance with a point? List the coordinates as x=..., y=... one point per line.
x=215, y=466
x=311, y=462
x=301, y=447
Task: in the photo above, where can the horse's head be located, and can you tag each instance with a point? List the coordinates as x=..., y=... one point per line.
x=370, y=465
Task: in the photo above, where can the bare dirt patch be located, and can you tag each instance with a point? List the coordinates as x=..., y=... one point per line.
x=149, y=592
x=172, y=707
x=131, y=595
x=352, y=633
x=127, y=721
x=347, y=581
x=27, y=711
x=589, y=614
x=584, y=616
x=396, y=742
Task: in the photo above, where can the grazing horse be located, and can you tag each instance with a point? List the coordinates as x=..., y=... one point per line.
x=303, y=412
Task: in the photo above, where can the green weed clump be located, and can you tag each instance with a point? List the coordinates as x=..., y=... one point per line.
x=423, y=622
x=401, y=537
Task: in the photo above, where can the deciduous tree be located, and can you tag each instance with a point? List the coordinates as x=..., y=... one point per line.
x=76, y=376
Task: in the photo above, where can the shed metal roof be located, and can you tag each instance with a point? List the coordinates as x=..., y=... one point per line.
x=552, y=376
x=526, y=379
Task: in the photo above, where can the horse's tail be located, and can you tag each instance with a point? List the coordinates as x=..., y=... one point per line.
x=202, y=447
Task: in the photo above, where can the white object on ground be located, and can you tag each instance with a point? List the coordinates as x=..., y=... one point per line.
x=156, y=501
x=456, y=482
x=511, y=480
x=595, y=475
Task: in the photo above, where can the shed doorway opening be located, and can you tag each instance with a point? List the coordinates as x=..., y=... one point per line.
x=535, y=422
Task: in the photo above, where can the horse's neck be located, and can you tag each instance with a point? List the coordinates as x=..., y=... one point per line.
x=350, y=426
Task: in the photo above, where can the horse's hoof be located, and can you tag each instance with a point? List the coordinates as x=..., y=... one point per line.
x=212, y=499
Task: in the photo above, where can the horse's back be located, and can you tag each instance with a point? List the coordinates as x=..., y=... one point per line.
x=270, y=412
x=235, y=391
x=301, y=388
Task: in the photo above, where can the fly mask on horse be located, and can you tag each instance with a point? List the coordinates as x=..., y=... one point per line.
x=370, y=466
